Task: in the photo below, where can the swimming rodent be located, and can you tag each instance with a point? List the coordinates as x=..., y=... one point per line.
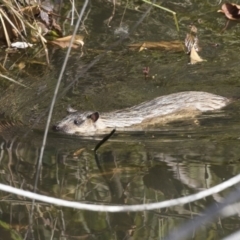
x=161, y=109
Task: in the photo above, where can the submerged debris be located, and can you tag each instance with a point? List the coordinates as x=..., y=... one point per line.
x=65, y=41
x=146, y=72
x=194, y=57
x=174, y=46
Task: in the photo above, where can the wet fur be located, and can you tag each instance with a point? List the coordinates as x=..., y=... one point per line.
x=159, y=110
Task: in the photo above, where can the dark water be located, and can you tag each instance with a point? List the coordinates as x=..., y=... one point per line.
x=163, y=163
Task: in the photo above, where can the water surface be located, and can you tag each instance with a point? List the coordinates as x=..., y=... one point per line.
x=158, y=164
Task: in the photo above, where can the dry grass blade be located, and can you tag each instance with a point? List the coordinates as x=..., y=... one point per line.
x=5, y=29
x=112, y=15
x=45, y=49
x=167, y=10
x=175, y=46
x=20, y=19
x=17, y=23
x=14, y=81
x=30, y=11
x=12, y=24
x=2, y=68
x=73, y=7
x=37, y=31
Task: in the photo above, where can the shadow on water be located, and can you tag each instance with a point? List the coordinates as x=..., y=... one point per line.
x=162, y=163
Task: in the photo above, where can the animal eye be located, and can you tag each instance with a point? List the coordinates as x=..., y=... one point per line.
x=77, y=122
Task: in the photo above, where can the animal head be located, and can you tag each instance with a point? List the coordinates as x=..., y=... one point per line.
x=78, y=123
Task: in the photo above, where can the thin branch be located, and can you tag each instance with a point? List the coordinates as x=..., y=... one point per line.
x=5, y=29
x=12, y=80
x=113, y=13
x=124, y=13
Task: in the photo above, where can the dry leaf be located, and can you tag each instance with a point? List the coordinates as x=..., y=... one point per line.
x=21, y=65
x=64, y=42
x=142, y=47
x=78, y=152
x=31, y=11
x=44, y=13
x=175, y=46
x=194, y=57
x=231, y=11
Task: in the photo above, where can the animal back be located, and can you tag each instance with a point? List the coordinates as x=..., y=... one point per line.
x=191, y=101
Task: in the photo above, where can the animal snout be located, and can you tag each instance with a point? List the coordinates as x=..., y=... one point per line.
x=55, y=128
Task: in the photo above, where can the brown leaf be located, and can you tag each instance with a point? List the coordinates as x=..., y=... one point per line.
x=64, y=42
x=231, y=11
x=175, y=46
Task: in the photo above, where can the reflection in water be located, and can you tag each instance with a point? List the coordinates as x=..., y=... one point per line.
x=121, y=223
x=127, y=172
x=161, y=178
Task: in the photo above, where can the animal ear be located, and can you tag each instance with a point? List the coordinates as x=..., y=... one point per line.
x=94, y=116
x=71, y=110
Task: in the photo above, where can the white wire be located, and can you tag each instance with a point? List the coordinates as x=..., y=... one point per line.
x=120, y=208
x=233, y=236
